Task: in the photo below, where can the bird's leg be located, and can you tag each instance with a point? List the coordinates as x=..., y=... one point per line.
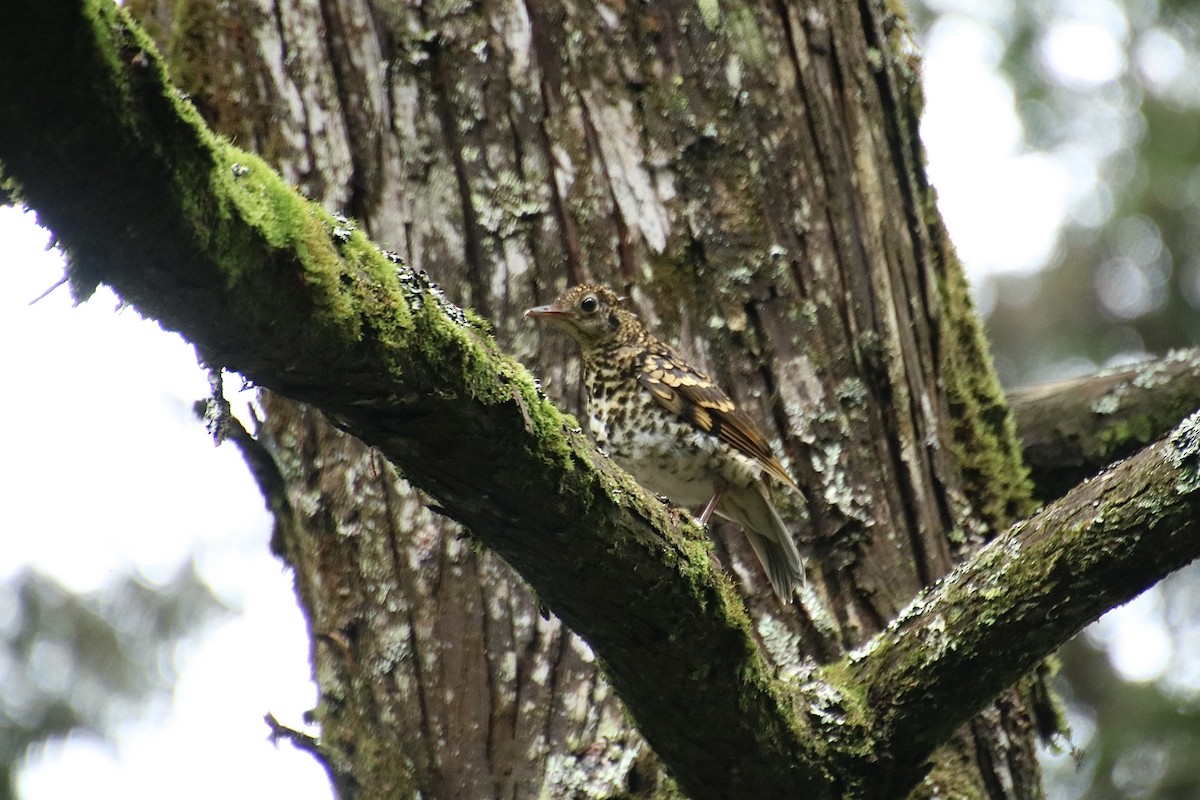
x=712, y=505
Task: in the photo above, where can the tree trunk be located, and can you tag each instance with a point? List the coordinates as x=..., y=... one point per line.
x=439, y=672
x=752, y=177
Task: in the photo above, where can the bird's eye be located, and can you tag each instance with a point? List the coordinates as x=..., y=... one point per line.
x=589, y=305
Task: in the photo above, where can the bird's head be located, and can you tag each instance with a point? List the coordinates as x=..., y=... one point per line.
x=593, y=316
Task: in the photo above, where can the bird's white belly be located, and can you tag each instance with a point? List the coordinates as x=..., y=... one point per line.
x=687, y=482
x=674, y=459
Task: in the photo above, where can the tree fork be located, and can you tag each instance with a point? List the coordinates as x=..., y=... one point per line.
x=1028, y=591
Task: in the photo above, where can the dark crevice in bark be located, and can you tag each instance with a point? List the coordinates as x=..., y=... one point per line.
x=900, y=150
x=474, y=259
x=348, y=96
x=909, y=498
x=766, y=360
x=491, y=652
x=427, y=739
x=545, y=61
x=810, y=102
x=985, y=756
x=558, y=651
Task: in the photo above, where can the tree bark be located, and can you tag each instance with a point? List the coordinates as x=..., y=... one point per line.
x=495, y=695
x=1072, y=429
x=1114, y=535
x=753, y=176
x=446, y=676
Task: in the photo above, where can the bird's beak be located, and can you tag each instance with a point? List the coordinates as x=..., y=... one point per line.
x=545, y=312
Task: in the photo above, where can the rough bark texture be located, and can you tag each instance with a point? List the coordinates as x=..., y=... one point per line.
x=493, y=696
x=752, y=175
x=1116, y=533
x=417, y=629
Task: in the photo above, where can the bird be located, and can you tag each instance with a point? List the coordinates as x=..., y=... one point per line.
x=672, y=428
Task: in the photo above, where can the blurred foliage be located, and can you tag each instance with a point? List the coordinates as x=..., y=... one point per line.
x=74, y=663
x=1137, y=738
x=1110, y=89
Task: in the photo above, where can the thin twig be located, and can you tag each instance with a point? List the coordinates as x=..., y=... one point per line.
x=46, y=293
x=299, y=739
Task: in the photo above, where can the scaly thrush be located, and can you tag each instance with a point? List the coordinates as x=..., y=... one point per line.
x=672, y=428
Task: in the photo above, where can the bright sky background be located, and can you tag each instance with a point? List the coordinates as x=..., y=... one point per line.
x=106, y=469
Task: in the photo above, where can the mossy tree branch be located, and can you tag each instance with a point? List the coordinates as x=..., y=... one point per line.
x=208, y=241
x=1072, y=429
x=1023, y=595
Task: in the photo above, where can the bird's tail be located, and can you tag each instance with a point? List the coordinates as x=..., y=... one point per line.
x=752, y=508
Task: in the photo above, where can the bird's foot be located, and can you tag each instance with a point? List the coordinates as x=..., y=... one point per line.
x=706, y=514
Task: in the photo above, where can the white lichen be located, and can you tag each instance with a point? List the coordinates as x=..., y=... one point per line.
x=1184, y=454
x=1108, y=404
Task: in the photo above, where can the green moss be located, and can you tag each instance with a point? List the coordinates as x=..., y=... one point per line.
x=952, y=775
x=710, y=13
x=835, y=705
x=105, y=18
x=1117, y=437
x=984, y=435
x=746, y=36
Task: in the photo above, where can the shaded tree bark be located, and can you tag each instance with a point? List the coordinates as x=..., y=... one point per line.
x=484, y=694
x=753, y=177
x=492, y=695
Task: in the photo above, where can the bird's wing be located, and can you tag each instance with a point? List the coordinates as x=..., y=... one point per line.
x=695, y=398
